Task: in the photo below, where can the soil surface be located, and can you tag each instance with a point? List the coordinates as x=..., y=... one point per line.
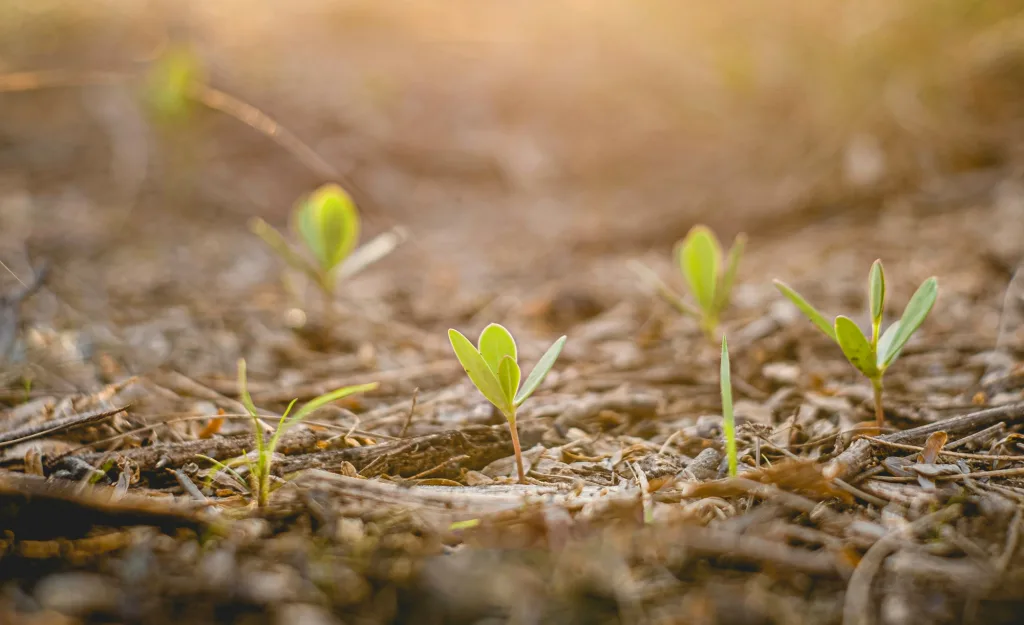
x=133, y=286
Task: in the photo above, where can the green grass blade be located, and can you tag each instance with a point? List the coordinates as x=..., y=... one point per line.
x=284, y=417
x=856, y=347
x=243, y=389
x=508, y=376
x=732, y=265
x=812, y=313
x=463, y=525
x=728, y=419
x=700, y=258
x=876, y=284
x=913, y=316
x=479, y=373
x=540, y=371
x=219, y=468
x=318, y=402
x=494, y=344
x=312, y=406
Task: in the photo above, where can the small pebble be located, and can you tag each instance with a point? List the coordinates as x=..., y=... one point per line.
x=304, y=614
x=705, y=465
x=78, y=594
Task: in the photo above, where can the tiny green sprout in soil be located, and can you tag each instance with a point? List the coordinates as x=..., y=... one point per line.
x=169, y=84
x=873, y=355
x=327, y=224
x=709, y=276
x=728, y=419
x=493, y=368
x=260, y=470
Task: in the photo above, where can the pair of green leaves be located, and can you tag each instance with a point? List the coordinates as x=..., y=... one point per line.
x=872, y=356
x=493, y=368
x=709, y=275
x=327, y=223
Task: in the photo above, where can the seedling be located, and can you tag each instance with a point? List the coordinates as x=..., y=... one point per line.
x=873, y=356
x=260, y=471
x=728, y=419
x=327, y=223
x=709, y=275
x=493, y=368
x=171, y=83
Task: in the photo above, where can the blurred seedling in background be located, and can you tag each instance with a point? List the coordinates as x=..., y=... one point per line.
x=259, y=471
x=728, y=419
x=171, y=84
x=709, y=275
x=873, y=355
x=327, y=225
x=493, y=368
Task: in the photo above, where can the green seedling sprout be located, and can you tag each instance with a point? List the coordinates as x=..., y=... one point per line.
x=872, y=356
x=327, y=223
x=171, y=83
x=493, y=368
x=708, y=274
x=260, y=470
x=728, y=419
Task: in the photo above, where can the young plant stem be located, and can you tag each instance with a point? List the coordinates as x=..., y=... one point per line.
x=879, y=411
x=517, y=449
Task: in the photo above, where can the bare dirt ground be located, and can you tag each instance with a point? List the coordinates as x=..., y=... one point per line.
x=531, y=154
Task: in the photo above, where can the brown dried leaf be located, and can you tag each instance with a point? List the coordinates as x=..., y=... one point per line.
x=932, y=447
x=798, y=476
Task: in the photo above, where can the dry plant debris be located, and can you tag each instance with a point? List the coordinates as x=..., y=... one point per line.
x=414, y=502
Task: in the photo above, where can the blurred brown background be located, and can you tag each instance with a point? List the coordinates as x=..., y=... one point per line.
x=576, y=124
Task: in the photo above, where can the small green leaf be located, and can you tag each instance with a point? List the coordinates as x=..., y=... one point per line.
x=885, y=342
x=464, y=525
x=700, y=257
x=250, y=407
x=328, y=223
x=728, y=419
x=540, y=371
x=171, y=83
x=816, y=317
x=479, y=373
x=877, y=287
x=495, y=343
x=728, y=278
x=856, y=346
x=508, y=377
x=913, y=316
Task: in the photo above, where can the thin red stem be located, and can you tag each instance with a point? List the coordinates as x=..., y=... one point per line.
x=879, y=411
x=519, y=452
